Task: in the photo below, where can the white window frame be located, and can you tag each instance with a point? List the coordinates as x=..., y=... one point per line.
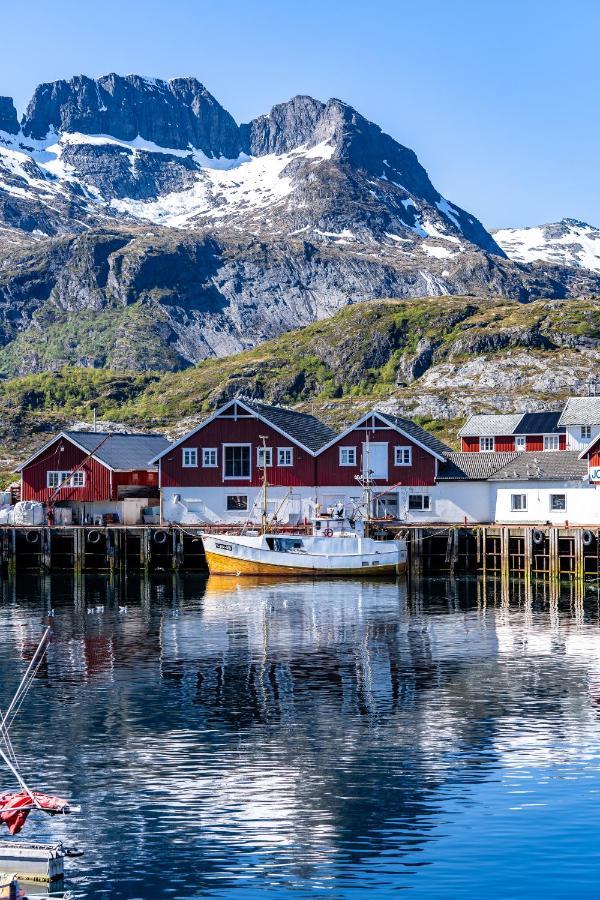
x=231, y=509
x=402, y=456
x=520, y=443
x=482, y=444
x=425, y=503
x=209, y=453
x=237, y=477
x=64, y=479
x=350, y=454
x=193, y=455
x=267, y=452
x=586, y=432
x=282, y=456
x=522, y=501
x=553, y=439
x=552, y=496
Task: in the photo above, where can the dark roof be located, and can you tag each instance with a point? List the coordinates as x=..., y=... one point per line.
x=581, y=411
x=301, y=427
x=121, y=451
x=415, y=431
x=539, y=423
x=473, y=466
x=555, y=465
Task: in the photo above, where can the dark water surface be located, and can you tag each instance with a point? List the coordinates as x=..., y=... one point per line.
x=233, y=740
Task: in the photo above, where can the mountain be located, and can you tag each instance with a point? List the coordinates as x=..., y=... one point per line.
x=142, y=228
x=566, y=243
x=436, y=360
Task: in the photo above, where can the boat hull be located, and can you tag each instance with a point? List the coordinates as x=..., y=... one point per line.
x=219, y=564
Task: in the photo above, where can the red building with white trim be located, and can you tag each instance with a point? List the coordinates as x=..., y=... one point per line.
x=94, y=474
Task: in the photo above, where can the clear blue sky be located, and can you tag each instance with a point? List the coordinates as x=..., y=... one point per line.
x=498, y=99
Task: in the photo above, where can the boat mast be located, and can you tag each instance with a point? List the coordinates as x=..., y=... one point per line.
x=265, y=482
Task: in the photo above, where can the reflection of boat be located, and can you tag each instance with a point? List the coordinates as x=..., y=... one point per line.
x=312, y=555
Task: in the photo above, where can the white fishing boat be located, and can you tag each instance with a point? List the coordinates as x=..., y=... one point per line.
x=337, y=547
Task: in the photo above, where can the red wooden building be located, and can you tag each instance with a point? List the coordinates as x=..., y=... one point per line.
x=94, y=474
x=513, y=432
x=215, y=472
x=400, y=457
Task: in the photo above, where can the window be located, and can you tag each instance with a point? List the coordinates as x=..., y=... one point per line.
x=285, y=456
x=236, y=460
x=347, y=456
x=558, y=502
x=55, y=480
x=402, y=456
x=486, y=444
x=209, y=457
x=237, y=502
x=520, y=443
x=518, y=502
x=551, y=442
x=586, y=432
x=419, y=501
x=264, y=457
x=190, y=457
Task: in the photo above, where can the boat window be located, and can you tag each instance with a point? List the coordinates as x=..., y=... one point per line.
x=284, y=545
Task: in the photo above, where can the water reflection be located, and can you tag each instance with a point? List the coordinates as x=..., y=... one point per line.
x=230, y=737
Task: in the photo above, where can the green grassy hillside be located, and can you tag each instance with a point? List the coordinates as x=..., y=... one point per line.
x=436, y=358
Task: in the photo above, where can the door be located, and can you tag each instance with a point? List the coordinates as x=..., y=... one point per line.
x=375, y=458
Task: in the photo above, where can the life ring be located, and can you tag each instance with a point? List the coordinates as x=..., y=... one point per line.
x=160, y=537
x=537, y=536
x=587, y=538
x=328, y=532
x=32, y=537
x=93, y=536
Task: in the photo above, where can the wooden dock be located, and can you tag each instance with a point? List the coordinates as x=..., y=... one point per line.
x=541, y=551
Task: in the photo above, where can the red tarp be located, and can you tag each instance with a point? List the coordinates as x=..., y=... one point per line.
x=14, y=808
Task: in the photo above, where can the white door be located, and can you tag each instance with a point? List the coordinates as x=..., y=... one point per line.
x=375, y=458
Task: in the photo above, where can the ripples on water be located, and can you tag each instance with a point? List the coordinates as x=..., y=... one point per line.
x=232, y=739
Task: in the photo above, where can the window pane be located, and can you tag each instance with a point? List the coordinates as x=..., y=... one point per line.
x=558, y=502
x=237, y=502
x=237, y=462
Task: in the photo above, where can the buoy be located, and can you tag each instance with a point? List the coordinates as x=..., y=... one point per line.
x=32, y=537
x=587, y=538
x=160, y=537
x=93, y=537
x=537, y=536
x=328, y=532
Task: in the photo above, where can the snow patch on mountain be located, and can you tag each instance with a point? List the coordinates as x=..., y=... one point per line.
x=568, y=243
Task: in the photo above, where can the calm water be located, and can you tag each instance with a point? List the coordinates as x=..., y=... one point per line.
x=246, y=740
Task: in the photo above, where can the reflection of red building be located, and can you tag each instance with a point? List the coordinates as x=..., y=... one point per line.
x=95, y=473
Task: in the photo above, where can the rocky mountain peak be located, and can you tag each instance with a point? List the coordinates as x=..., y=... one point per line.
x=8, y=116
x=569, y=242
x=176, y=114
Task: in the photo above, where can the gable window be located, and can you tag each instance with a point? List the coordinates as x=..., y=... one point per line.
x=56, y=479
x=520, y=443
x=551, y=442
x=285, y=456
x=264, y=457
x=189, y=457
x=347, y=456
x=486, y=444
x=586, y=432
x=237, y=503
x=518, y=502
x=209, y=457
x=558, y=502
x=236, y=460
x=403, y=456
x=419, y=502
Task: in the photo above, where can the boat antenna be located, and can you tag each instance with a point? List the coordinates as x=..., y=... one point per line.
x=265, y=481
